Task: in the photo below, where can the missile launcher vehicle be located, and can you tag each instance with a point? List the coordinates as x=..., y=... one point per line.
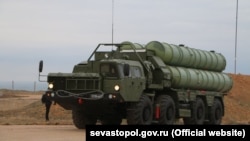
x=155, y=83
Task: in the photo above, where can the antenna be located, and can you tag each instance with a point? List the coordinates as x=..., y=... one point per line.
x=112, y=21
x=236, y=30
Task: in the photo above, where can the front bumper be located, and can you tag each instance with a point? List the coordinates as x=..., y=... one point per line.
x=90, y=99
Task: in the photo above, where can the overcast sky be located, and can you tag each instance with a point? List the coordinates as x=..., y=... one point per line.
x=64, y=32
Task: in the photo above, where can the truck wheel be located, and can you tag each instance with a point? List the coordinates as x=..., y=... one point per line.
x=198, y=113
x=167, y=109
x=80, y=119
x=216, y=112
x=141, y=113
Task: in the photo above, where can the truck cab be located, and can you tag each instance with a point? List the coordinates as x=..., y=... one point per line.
x=95, y=86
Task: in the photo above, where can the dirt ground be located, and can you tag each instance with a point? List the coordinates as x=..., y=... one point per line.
x=25, y=108
x=41, y=133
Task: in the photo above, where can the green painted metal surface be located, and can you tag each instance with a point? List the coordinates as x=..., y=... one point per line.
x=194, y=79
x=127, y=45
x=188, y=57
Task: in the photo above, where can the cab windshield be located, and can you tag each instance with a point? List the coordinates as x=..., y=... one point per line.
x=109, y=70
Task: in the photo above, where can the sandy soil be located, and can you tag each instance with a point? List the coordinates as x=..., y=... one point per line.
x=41, y=133
x=25, y=108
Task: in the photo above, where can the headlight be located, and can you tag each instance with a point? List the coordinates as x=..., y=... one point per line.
x=52, y=94
x=51, y=86
x=117, y=87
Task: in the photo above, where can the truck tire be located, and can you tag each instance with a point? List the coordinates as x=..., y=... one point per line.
x=216, y=113
x=141, y=113
x=167, y=109
x=80, y=119
x=198, y=113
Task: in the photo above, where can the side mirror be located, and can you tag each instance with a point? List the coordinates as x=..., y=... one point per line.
x=40, y=70
x=126, y=69
x=41, y=66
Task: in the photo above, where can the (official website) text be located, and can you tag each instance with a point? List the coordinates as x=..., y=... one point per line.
x=169, y=133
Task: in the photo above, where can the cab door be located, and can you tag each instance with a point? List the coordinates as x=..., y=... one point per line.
x=133, y=84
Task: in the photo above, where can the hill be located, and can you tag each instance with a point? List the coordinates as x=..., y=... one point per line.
x=25, y=108
x=237, y=102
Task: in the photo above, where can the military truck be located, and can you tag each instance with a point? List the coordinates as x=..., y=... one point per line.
x=155, y=83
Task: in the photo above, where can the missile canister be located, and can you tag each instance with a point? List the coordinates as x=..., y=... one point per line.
x=187, y=57
x=126, y=45
x=187, y=78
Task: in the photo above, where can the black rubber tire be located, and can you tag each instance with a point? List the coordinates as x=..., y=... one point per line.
x=140, y=113
x=216, y=113
x=167, y=109
x=198, y=112
x=80, y=119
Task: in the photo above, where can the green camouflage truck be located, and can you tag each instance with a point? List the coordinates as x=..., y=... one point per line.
x=155, y=83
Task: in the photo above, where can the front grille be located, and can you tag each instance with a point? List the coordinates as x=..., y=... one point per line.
x=82, y=84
